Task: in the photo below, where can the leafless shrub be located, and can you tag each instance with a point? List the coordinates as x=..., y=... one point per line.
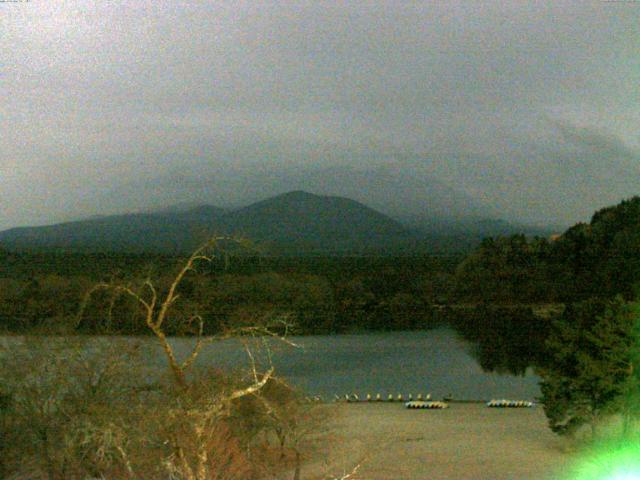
x=62, y=393
x=90, y=408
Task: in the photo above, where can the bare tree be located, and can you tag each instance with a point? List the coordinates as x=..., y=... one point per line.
x=199, y=410
x=90, y=408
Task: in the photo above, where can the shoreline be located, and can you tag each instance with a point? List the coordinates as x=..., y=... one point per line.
x=465, y=441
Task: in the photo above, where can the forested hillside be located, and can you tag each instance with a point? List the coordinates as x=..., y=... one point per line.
x=598, y=259
x=320, y=294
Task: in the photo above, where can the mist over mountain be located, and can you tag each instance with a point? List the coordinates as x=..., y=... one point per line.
x=392, y=189
x=414, y=108
x=410, y=195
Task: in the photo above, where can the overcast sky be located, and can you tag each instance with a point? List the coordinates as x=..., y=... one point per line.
x=531, y=109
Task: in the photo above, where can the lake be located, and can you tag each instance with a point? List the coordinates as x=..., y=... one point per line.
x=434, y=361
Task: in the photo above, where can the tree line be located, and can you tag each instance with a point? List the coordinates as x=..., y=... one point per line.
x=595, y=260
x=587, y=353
x=321, y=294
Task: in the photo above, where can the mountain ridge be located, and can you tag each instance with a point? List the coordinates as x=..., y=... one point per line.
x=295, y=222
x=298, y=220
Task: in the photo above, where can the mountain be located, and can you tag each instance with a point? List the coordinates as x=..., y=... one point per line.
x=389, y=188
x=295, y=222
x=316, y=223
x=137, y=232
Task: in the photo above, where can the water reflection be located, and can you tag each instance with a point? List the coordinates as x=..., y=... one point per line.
x=436, y=361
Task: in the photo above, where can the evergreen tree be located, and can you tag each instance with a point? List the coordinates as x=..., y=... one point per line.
x=630, y=399
x=592, y=365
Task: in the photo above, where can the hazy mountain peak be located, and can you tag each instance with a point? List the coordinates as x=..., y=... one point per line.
x=295, y=194
x=177, y=207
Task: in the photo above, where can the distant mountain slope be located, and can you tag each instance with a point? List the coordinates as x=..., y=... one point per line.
x=477, y=227
x=161, y=232
x=389, y=188
x=294, y=222
x=184, y=207
x=315, y=220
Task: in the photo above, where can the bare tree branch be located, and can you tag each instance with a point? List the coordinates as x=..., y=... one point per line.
x=251, y=359
x=198, y=346
x=254, y=387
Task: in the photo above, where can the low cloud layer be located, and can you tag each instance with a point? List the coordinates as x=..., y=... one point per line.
x=524, y=111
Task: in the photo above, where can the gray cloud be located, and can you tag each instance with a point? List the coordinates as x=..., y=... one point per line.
x=110, y=106
x=597, y=143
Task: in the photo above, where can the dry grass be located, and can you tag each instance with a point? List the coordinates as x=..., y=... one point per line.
x=466, y=441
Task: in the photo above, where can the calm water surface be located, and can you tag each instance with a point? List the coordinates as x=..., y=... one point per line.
x=434, y=361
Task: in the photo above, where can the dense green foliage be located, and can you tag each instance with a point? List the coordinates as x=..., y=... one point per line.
x=600, y=259
x=510, y=270
x=320, y=294
x=592, y=367
x=589, y=355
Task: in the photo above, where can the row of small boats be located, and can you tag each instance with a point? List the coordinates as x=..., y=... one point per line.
x=504, y=403
x=353, y=397
x=419, y=404
x=425, y=401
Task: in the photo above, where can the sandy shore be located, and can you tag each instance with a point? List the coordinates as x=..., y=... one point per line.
x=465, y=441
